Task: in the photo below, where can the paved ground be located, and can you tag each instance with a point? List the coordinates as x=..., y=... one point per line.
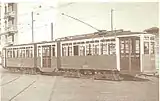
x=16, y=87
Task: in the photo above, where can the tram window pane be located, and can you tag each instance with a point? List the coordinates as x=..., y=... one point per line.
x=151, y=38
x=146, y=38
x=146, y=47
x=152, y=47
x=75, y=48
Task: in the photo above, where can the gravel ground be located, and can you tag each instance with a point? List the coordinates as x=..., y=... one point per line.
x=17, y=87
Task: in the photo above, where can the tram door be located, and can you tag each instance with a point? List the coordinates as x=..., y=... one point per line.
x=130, y=54
x=46, y=56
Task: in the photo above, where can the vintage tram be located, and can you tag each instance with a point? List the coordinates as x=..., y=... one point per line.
x=100, y=55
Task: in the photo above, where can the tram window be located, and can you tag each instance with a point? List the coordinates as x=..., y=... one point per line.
x=146, y=47
x=23, y=53
x=88, y=49
x=127, y=46
x=122, y=46
x=152, y=48
x=31, y=52
x=93, y=49
x=13, y=53
x=53, y=51
x=137, y=46
x=27, y=52
x=20, y=53
x=39, y=51
x=146, y=38
x=104, y=48
x=75, y=49
x=96, y=41
x=69, y=50
x=151, y=38
x=17, y=52
x=64, y=51
x=82, y=50
x=96, y=49
x=112, y=49
x=101, y=48
x=8, y=53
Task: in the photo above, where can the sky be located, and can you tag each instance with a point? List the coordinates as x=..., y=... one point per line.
x=134, y=16
x=128, y=16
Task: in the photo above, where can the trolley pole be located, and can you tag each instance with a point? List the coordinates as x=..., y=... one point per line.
x=52, y=31
x=112, y=20
x=32, y=27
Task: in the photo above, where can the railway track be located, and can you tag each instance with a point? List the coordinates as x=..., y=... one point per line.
x=10, y=81
x=22, y=90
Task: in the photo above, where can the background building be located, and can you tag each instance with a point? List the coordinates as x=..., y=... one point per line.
x=8, y=24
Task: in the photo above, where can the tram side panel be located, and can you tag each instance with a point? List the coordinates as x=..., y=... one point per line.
x=20, y=62
x=89, y=55
x=102, y=62
x=20, y=57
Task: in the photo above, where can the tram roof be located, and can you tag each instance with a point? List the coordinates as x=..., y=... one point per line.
x=99, y=35
x=103, y=33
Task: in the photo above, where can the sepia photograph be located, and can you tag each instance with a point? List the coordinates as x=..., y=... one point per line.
x=73, y=50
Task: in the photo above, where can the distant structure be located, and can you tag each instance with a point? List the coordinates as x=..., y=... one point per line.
x=8, y=24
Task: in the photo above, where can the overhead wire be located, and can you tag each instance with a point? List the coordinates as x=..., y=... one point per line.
x=40, y=10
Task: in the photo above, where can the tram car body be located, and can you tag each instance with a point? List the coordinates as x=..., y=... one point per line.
x=127, y=52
